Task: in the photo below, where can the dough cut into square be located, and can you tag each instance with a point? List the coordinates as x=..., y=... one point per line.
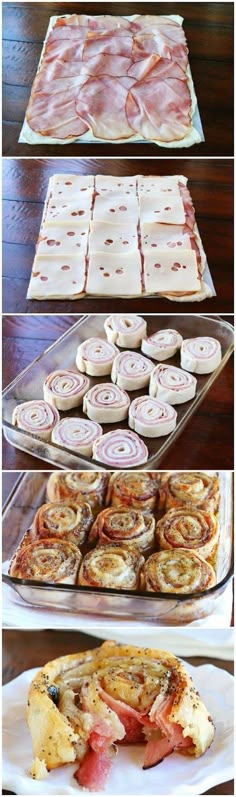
x=69, y=210
x=70, y=185
x=117, y=238
x=165, y=209
x=63, y=239
x=105, y=182
x=116, y=207
x=114, y=275
x=165, y=272
x=157, y=185
x=57, y=276
x=170, y=236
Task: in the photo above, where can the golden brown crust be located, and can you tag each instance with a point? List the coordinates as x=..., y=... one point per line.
x=137, y=490
x=76, y=486
x=180, y=571
x=196, y=489
x=125, y=527
x=190, y=529
x=63, y=520
x=47, y=560
x=112, y=567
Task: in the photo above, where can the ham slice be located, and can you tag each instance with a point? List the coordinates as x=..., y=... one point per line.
x=95, y=769
x=56, y=117
x=119, y=43
x=101, y=104
x=102, y=22
x=158, y=42
x=159, y=108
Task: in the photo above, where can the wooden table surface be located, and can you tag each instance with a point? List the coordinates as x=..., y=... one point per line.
x=209, y=32
x=207, y=439
x=24, y=190
x=23, y=650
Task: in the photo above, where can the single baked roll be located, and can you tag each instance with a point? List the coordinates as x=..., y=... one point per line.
x=127, y=331
x=172, y=384
x=200, y=355
x=136, y=490
x=52, y=560
x=81, y=704
x=78, y=434
x=124, y=526
x=78, y=486
x=162, y=345
x=188, y=528
x=197, y=489
x=151, y=417
x=95, y=356
x=120, y=449
x=106, y=403
x=111, y=566
x=131, y=370
x=63, y=520
x=179, y=570
x=65, y=389
x=36, y=417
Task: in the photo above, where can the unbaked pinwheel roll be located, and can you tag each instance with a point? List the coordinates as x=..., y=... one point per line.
x=78, y=486
x=80, y=705
x=200, y=355
x=172, y=384
x=162, y=345
x=65, y=389
x=95, y=356
x=55, y=561
x=125, y=527
x=179, y=570
x=36, y=417
x=127, y=331
x=63, y=520
x=197, y=490
x=120, y=449
x=78, y=434
x=136, y=490
x=131, y=370
x=188, y=528
x=112, y=567
x=151, y=417
x=106, y=403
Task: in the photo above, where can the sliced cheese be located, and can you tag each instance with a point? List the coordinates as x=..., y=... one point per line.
x=68, y=210
x=114, y=275
x=117, y=238
x=162, y=208
x=71, y=185
x=105, y=182
x=63, y=239
x=170, y=236
x=167, y=184
x=167, y=271
x=57, y=276
x=116, y=207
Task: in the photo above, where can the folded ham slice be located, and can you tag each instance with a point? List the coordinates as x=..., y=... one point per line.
x=101, y=104
x=159, y=108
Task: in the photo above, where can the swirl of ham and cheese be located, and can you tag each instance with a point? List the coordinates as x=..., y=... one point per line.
x=151, y=417
x=135, y=490
x=111, y=566
x=123, y=526
x=162, y=345
x=63, y=520
x=51, y=560
x=95, y=356
x=120, y=449
x=200, y=355
x=65, y=389
x=190, y=529
x=78, y=486
x=172, y=384
x=36, y=417
x=106, y=403
x=131, y=370
x=77, y=434
x=125, y=330
x=197, y=489
x=180, y=571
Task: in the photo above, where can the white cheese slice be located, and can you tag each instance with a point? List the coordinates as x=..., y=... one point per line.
x=114, y=275
x=166, y=271
x=68, y=210
x=117, y=238
x=116, y=207
x=63, y=239
x=171, y=236
x=105, y=182
x=165, y=209
x=166, y=184
x=57, y=276
x=71, y=185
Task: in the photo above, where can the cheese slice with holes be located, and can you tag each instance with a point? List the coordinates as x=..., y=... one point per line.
x=71, y=185
x=164, y=185
x=160, y=236
x=114, y=275
x=164, y=209
x=165, y=272
x=67, y=210
x=105, y=183
x=117, y=238
x=58, y=239
x=116, y=207
x=57, y=276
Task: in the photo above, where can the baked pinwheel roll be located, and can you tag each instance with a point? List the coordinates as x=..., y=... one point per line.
x=197, y=489
x=63, y=520
x=120, y=449
x=95, y=356
x=188, y=528
x=172, y=384
x=111, y=566
x=106, y=403
x=79, y=434
x=151, y=417
x=179, y=570
x=78, y=486
x=36, y=417
x=65, y=389
x=124, y=526
x=80, y=705
x=51, y=560
x=131, y=370
x=200, y=355
x=127, y=331
x=136, y=490
x=162, y=345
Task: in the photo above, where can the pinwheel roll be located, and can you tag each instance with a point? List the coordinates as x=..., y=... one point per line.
x=180, y=571
x=172, y=384
x=162, y=345
x=127, y=331
x=65, y=389
x=120, y=449
x=131, y=370
x=200, y=355
x=63, y=520
x=111, y=566
x=188, y=528
x=151, y=417
x=106, y=403
x=77, y=434
x=197, y=490
x=51, y=560
x=76, y=486
x=95, y=356
x=136, y=490
x=36, y=417
x=124, y=526
x=81, y=704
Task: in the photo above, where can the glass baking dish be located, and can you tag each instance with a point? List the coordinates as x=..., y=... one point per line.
x=166, y=608
x=29, y=385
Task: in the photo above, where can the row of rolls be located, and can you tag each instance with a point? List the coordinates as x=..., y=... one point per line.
x=156, y=532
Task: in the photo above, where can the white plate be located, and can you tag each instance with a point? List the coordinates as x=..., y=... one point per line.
x=175, y=775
